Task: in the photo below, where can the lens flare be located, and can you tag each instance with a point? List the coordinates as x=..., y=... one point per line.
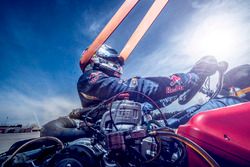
x=217, y=36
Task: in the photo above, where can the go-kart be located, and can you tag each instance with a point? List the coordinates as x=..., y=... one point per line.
x=117, y=133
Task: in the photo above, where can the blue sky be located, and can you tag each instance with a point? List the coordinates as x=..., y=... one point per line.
x=41, y=42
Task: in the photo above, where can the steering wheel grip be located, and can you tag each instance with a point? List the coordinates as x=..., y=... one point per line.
x=222, y=66
x=190, y=93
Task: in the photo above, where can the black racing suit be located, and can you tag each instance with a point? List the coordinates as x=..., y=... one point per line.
x=95, y=86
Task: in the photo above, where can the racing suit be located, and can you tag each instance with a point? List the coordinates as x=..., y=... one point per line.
x=95, y=86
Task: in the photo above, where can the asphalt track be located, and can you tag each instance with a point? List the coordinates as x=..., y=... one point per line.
x=6, y=140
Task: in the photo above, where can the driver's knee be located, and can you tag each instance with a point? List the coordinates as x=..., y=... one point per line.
x=63, y=128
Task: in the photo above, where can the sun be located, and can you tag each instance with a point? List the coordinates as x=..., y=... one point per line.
x=215, y=35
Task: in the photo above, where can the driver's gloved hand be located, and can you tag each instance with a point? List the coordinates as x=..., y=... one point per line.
x=205, y=67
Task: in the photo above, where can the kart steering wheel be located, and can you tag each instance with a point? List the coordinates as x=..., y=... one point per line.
x=190, y=93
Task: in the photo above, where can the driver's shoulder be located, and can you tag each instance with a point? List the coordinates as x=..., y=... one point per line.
x=92, y=76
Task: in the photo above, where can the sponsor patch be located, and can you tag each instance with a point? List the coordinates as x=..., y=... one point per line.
x=174, y=89
x=133, y=83
x=175, y=80
x=166, y=101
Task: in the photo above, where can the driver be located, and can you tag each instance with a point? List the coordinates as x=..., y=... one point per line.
x=101, y=79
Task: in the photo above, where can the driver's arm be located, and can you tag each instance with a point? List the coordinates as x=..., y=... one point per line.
x=102, y=86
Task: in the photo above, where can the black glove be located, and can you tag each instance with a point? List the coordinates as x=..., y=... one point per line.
x=205, y=67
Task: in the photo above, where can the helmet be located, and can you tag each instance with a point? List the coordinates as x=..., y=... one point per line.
x=107, y=60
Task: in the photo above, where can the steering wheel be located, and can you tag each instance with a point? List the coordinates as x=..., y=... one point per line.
x=190, y=93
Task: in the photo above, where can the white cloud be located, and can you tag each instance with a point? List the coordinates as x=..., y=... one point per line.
x=204, y=3
x=94, y=21
x=94, y=28
x=17, y=107
x=221, y=31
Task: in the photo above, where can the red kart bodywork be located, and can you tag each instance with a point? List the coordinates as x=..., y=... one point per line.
x=223, y=132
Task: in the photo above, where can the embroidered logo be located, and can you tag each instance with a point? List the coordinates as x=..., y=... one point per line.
x=166, y=101
x=133, y=83
x=174, y=89
x=175, y=80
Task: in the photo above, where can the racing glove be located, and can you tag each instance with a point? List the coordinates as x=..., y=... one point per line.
x=205, y=67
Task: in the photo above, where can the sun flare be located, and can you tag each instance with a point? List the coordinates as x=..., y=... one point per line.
x=216, y=36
